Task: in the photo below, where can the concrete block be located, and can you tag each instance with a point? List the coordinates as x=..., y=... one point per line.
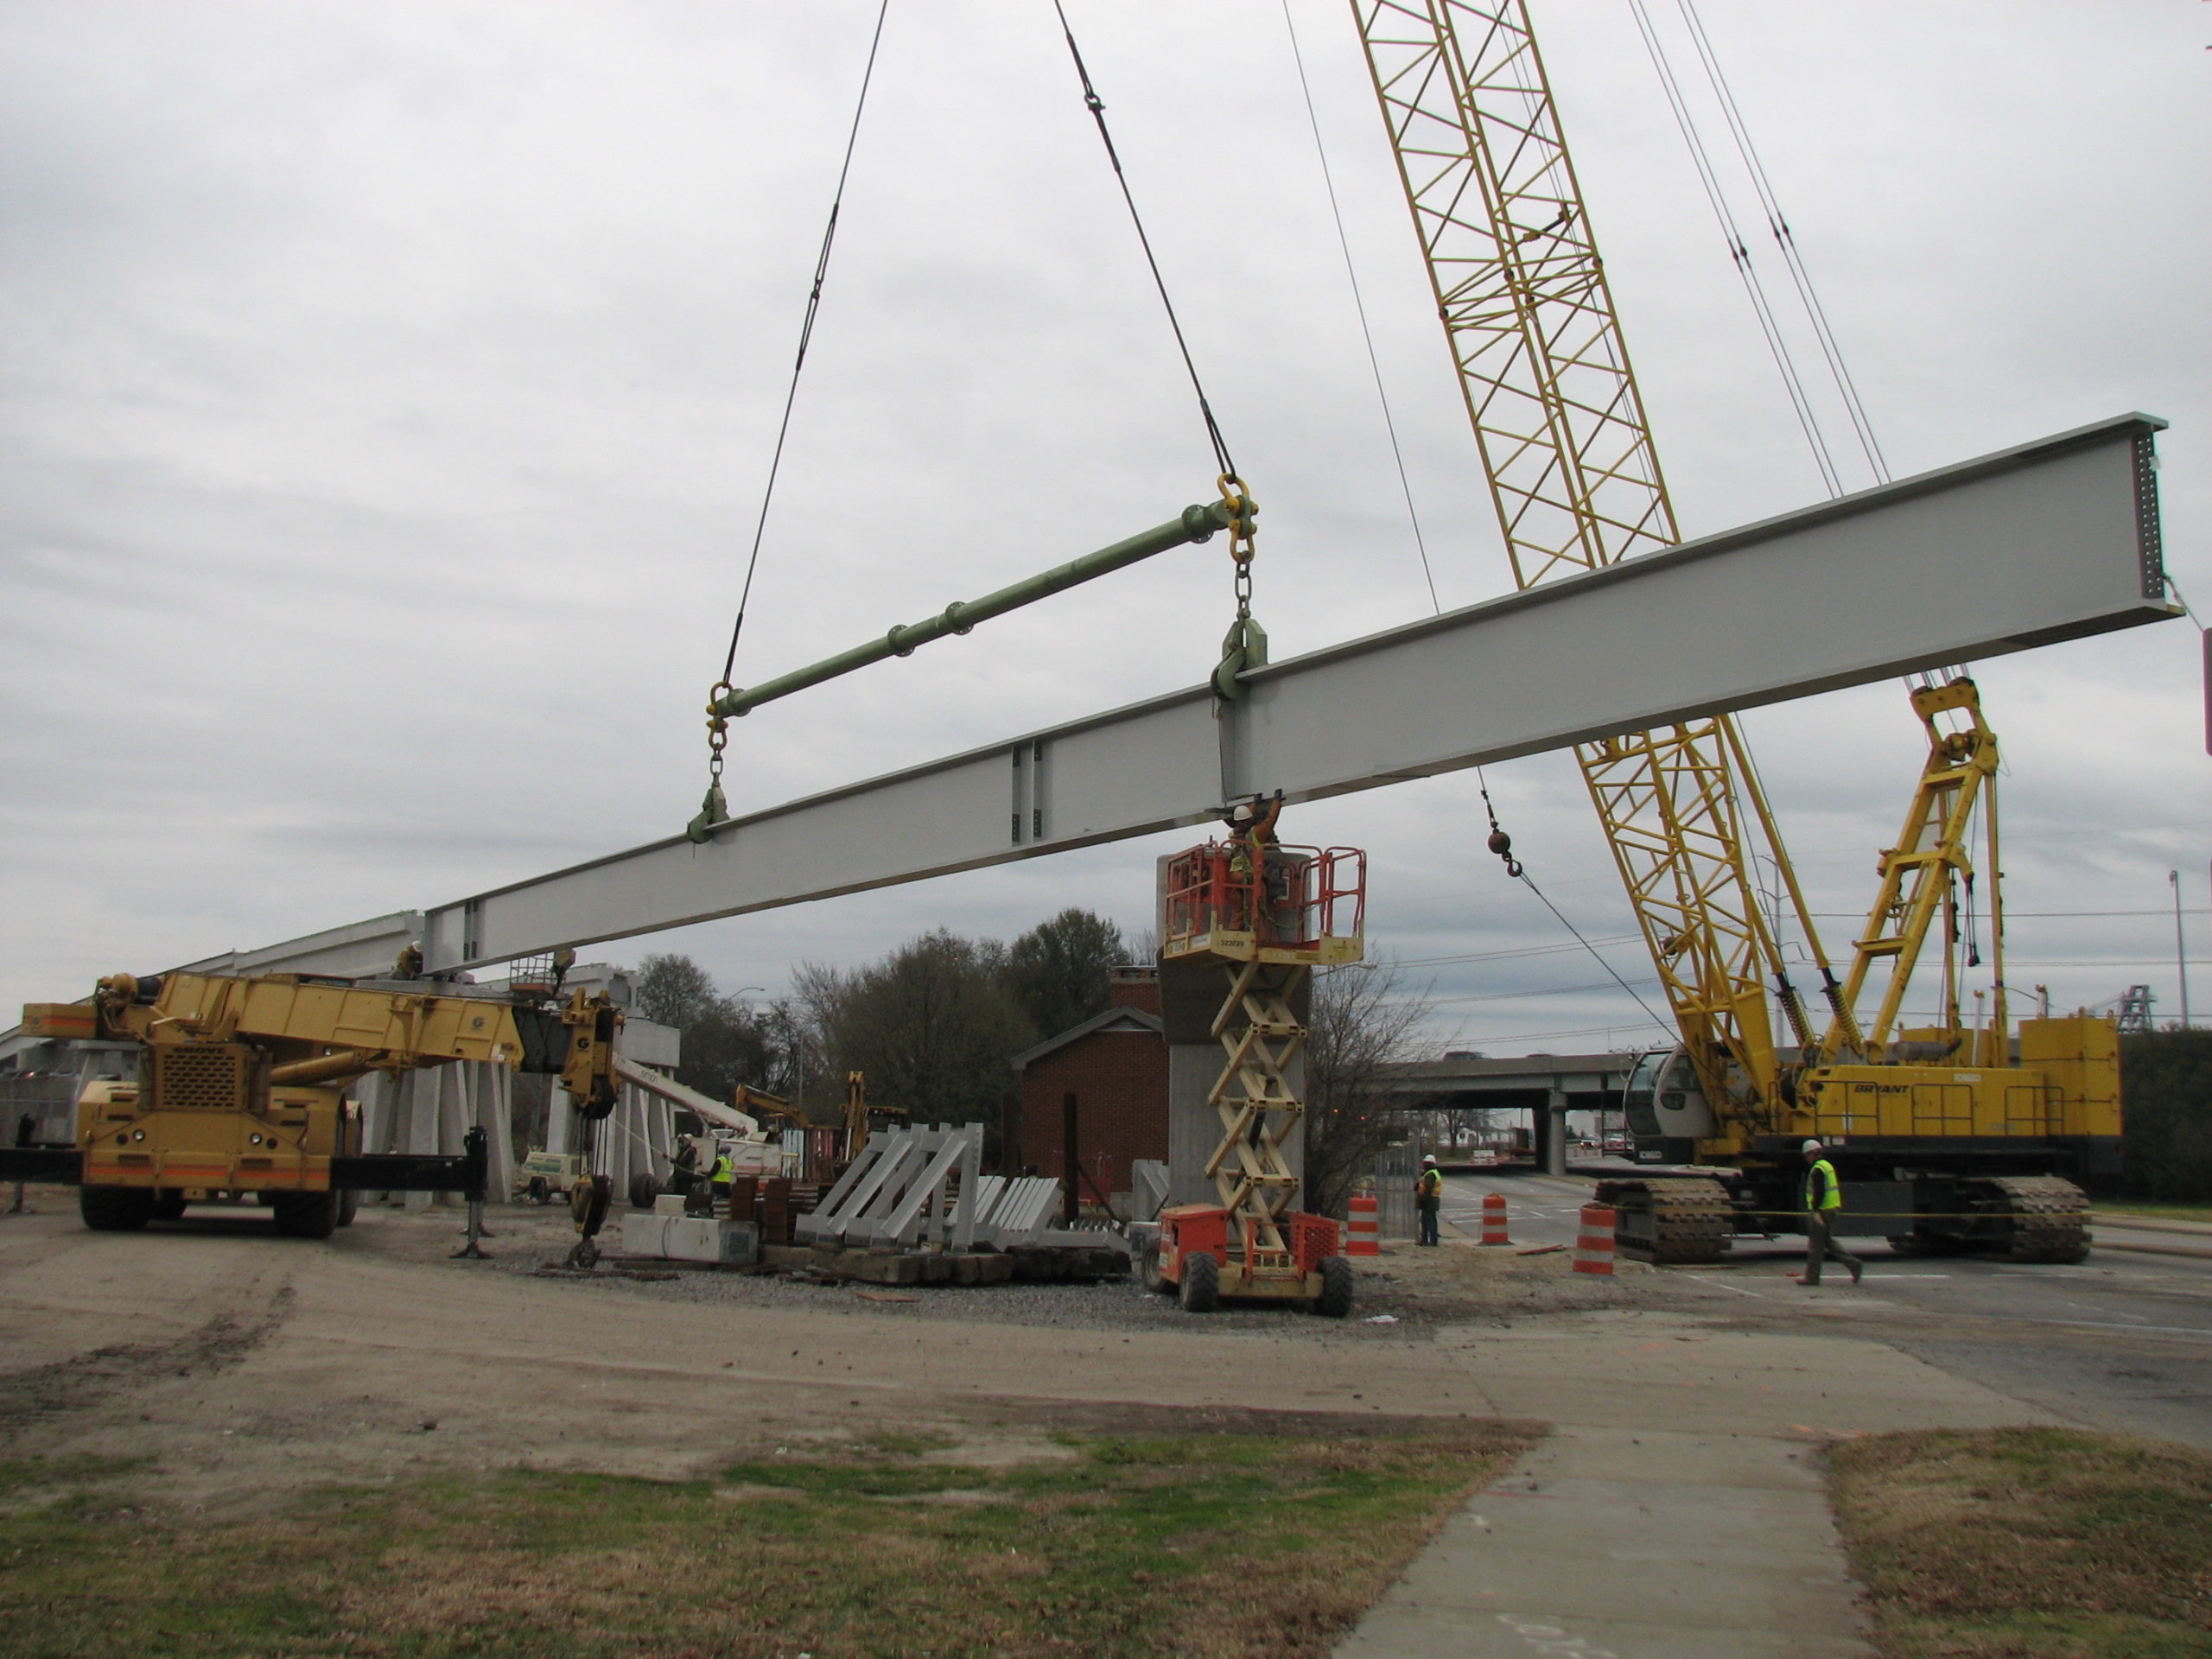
x=669, y=1203
x=700, y=1238
x=645, y=1235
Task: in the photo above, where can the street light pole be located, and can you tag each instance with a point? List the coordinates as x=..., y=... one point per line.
x=2180, y=947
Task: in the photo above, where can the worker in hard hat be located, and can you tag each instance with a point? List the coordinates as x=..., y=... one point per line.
x=718, y=1182
x=1429, y=1198
x=1823, y=1199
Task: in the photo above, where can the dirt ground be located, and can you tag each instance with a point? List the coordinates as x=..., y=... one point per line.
x=249, y=1365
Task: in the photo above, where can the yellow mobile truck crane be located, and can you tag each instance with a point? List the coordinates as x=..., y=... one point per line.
x=240, y=1088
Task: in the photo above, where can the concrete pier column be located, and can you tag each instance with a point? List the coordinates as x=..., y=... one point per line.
x=1551, y=1134
x=496, y=1103
x=560, y=1114
x=417, y=1124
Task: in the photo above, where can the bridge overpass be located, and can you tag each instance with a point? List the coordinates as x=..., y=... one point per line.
x=1547, y=1086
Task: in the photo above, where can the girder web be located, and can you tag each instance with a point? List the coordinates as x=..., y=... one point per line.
x=1576, y=484
x=1260, y=1112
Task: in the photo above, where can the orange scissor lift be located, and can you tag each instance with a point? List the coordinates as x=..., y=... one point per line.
x=1267, y=915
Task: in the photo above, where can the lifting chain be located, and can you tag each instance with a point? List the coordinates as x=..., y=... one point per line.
x=715, y=807
x=1245, y=646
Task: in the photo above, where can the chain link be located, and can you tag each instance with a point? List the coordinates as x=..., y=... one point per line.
x=1243, y=536
x=717, y=730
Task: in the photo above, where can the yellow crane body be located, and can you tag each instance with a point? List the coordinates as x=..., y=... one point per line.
x=1962, y=1135
x=240, y=1088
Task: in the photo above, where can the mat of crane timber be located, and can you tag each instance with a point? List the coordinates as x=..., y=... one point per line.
x=2030, y=1543
x=1193, y=1541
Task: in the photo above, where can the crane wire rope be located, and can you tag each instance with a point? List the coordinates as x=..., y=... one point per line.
x=1808, y=299
x=805, y=336
x=716, y=731
x=1778, y=223
x=1359, y=304
x=1739, y=251
x=1500, y=843
x=1801, y=276
x=1097, y=105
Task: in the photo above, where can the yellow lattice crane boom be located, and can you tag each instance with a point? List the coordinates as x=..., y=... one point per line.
x=1960, y=1137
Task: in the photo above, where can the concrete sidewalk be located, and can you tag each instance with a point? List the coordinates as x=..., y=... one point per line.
x=1609, y=1544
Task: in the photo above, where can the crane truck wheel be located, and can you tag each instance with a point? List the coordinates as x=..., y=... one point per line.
x=643, y=1189
x=1201, y=1284
x=1335, y=1300
x=305, y=1215
x=169, y=1205
x=349, y=1205
x=537, y=1191
x=115, y=1209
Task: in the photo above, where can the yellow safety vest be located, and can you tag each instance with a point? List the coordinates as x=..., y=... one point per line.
x=1831, y=1194
x=721, y=1169
x=1431, y=1184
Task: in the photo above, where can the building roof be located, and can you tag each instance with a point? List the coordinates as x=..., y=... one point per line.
x=1135, y=1021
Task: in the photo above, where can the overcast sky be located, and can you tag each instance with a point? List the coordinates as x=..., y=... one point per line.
x=388, y=391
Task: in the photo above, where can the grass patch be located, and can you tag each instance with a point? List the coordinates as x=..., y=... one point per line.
x=2031, y=1544
x=2161, y=1211
x=1214, y=1544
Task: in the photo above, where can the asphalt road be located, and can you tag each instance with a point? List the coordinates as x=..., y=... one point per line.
x=2122, y=1342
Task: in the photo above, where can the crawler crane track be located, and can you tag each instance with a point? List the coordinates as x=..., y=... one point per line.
x=1672, y=1221
x=2048, y=1217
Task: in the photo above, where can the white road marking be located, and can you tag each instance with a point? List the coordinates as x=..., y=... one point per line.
x=1703, y=1280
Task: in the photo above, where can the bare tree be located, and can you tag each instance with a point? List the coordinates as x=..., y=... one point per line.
x=1363, y=1019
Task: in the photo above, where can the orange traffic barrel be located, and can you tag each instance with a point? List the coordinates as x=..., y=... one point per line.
x=1364, y=1231
x=1494, y=1219
x=1593, y=1247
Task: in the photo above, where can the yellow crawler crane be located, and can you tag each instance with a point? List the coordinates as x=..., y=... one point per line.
x=1960, y=1137
x=240, y=1089
x=1267, y=915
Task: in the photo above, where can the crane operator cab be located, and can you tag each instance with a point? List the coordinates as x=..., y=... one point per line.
x=1666, y=1108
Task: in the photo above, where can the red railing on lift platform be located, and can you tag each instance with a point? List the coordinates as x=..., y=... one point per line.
x=1291, y=898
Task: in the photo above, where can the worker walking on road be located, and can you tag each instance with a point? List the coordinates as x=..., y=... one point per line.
x=1429, y=1198
x=1823, y=1199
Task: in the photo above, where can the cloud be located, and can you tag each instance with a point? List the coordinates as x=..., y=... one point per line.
x=390, y=390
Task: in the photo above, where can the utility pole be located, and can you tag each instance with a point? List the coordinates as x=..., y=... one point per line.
x=2181, y=947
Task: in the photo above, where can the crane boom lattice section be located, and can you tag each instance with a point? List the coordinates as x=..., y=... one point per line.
x=1576, y=484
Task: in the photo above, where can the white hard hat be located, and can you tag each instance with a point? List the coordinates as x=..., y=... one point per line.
x=1810, y=1145
x=1429, y=1158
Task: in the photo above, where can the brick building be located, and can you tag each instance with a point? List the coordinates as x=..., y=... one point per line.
x=1105, y=1080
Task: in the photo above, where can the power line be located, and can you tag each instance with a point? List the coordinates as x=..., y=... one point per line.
x=1515, y=996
